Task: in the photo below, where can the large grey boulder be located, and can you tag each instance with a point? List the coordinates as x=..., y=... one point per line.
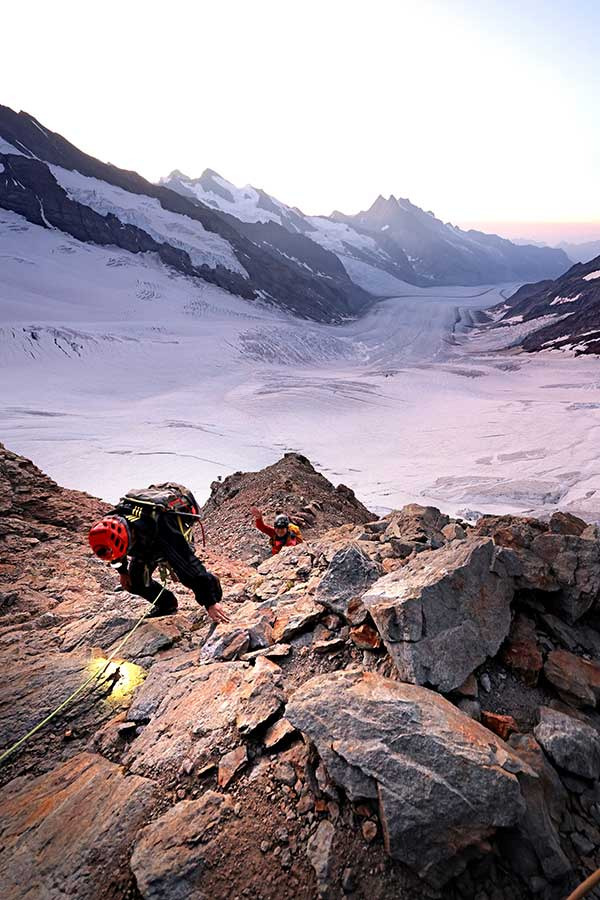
x=348, y=576
x=570, y=743
x=442, y=780
x=444, y=613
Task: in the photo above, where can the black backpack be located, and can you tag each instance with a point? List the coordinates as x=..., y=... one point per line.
x=168, y=497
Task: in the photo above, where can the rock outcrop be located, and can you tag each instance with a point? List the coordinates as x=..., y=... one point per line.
x=442, y=781
x=444, y=613
x=69, y=832
x=292, y=486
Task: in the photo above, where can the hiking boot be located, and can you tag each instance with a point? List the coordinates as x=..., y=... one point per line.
x=163, y=609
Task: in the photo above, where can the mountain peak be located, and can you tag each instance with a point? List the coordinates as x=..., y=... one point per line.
x=176, y=173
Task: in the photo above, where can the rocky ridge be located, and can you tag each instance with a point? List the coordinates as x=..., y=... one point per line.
x=291, y=485
x=400, y=707
x=392, y=237
x=563, y=314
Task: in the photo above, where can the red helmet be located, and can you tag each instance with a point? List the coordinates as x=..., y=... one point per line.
x=109, y=538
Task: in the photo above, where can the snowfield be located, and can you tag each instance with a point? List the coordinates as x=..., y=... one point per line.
x=116, y=372
x=204, y=247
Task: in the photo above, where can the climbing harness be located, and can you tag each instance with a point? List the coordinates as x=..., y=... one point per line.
x=96, y=676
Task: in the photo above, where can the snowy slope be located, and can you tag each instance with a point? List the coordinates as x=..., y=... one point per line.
x=247, y=203
x=561, y=315
x=204, y=247
x=52, y=183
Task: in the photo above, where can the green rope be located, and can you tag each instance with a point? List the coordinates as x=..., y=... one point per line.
x=95, y=676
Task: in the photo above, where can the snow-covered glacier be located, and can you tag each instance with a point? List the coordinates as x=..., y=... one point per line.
x=117, y=371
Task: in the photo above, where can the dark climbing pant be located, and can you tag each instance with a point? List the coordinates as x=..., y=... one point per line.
x=171, y=546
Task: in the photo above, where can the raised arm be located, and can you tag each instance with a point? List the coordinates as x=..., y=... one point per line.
x=260, y=523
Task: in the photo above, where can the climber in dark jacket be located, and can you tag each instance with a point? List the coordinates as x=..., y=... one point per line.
x=148, y=538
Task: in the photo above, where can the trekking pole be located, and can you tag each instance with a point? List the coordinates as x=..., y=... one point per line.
x=586, y=886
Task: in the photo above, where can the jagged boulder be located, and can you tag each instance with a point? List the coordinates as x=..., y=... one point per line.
x=69, y=832
x=417, y=524
x=443, y=782
x=561, y=558
x=444, y=613
x=348, y=576
x=517, y=534
x=575, y=562
x=170, y=855
x=570, y=743
x=197, y=712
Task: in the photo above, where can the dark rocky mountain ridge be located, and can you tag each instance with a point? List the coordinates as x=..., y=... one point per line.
x=566, y=311
x=295, y=283
x=444, y=254
x=408, y=243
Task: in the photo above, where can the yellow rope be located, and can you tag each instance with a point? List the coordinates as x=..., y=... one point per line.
x=95, y=676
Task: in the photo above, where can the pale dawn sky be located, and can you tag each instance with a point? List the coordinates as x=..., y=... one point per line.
x=485, y=111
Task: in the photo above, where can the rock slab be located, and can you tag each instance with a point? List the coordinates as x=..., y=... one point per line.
x=443, y=782
x=169, y=857
x=69, y=832
x=444, y=613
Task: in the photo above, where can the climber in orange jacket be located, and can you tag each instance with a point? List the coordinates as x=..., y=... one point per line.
x=282, y=533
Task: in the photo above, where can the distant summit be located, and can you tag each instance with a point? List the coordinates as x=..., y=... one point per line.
x=390, y=244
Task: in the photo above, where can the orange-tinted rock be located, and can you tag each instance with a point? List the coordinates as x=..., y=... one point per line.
x=365, y=637
x=390, y=564
x=231, y=764
x=524, y=658
x=576, y=679
x=469, y=687
x=503, y=726
x=369, y=830
x=293, y=616
x=278, y=732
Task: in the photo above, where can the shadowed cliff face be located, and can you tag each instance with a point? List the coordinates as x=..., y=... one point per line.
x=563, y=314
x=399, y=707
